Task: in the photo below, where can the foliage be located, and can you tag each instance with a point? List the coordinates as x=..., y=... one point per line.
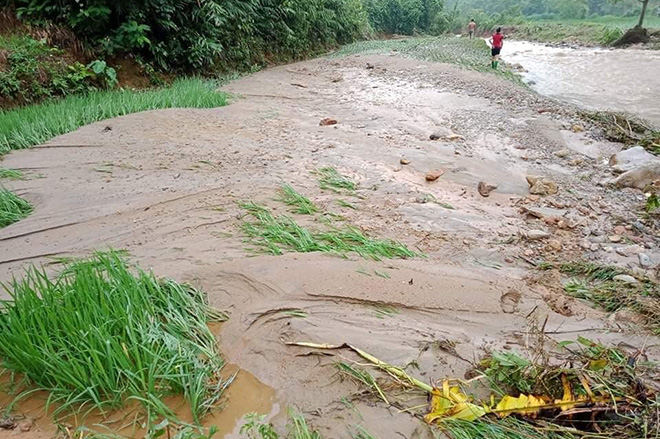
x=12, y=208
x=139, y=337
x=11, y=174
x=512, y=370
x=34, y=71
x=302, y=204
x=274, y=234
x=198, y=34
x=256, y=427
x=330, y=178
x=29, y=126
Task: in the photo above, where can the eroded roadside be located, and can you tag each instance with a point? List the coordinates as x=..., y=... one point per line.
x=166, y=186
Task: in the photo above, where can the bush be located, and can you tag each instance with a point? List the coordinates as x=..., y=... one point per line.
x=200, y=34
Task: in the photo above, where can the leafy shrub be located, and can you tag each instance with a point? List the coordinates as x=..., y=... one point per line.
x=199, y=34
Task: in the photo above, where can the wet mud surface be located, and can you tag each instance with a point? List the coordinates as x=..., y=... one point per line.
x=166, y=185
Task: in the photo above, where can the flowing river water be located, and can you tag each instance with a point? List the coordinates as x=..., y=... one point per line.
x=622, y=79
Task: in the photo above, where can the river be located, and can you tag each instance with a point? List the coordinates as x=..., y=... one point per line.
x=622, y=79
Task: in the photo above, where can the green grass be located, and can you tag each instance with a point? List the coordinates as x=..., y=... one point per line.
x=362, y=433
x=298, y=428
x=346, y=204
x=102, y=333
x=276, y=234
x=509, y=428
x=302, y=204
x=469, y=54
x=330, y=178
x=28, y=126
x=11, y=174
x=12, y=207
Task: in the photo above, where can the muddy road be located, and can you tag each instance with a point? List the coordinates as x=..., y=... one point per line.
x=166, y=187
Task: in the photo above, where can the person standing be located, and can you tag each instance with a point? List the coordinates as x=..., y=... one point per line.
x=496, y=44
x=472, y=27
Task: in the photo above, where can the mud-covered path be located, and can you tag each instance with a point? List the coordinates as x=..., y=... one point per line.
x=166, y=185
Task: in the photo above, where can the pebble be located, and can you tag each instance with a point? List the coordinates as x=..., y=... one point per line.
x=562, y=153
x=616, y=238
x=619, y=230
x=585, y=244
x=327, y=122
x=486, y=188
x=434, y=175
x=625, y=278
x=629, y=250
x=555, y=245
x=535, y=235
x=404, y=161
x=644, y=260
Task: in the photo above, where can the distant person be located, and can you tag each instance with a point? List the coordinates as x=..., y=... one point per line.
x=496, y=44
x=472, y=27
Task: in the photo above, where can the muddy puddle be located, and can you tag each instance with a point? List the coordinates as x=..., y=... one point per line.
x=245, y=395
x=621, y=80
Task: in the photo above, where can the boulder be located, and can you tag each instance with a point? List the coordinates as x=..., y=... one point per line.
x=631, y=158
x=541, y=185
x=640, y=177
x=485, y=188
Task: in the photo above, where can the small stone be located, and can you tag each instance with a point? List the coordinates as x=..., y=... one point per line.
x=626, y=279
x=615, y=238
x=370, y=66
x=585, y=244
x=529, y=253
x=629, y=250
x=404, y=161
x=619, y=230
x=485, y=188
x=535, y=235
x=25, y=426
x=577, y=129
x=397, y=169
x=644, y=260
x=434, y=175
x=435, y=136
x=562, y=153
x=455, y=137
x=541, y=185
x=595, y=247
x=327, y=122
x=555, y=245
x=508, y=260
x=576, y=162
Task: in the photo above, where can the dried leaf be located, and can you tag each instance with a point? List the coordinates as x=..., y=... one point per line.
x=451, y=403
x=523, y=405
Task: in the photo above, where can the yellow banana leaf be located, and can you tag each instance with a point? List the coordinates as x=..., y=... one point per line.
x=529, y=405
x=451, y=403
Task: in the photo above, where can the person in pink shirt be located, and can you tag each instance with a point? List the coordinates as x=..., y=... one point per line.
x=471, y=28
x=496, y=44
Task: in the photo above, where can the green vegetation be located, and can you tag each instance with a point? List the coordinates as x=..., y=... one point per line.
x=410, y=17
x=102, y=333
x=509, y=428
x=257, y=427
x=301, y=203
x=557, y=32
x=34, y=71
x=596, y=284
x=362, y=433
x=330, y=178
x=276, y=234
x=470, y=54
x=11, y=174
x=12, y=208
x=346, y=204
x=29, y=126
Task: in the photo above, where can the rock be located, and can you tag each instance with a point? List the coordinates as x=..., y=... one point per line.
x=327, y=122
x=626, y=279
x=370, y=66
x=425, y=198
x=615, y=238
x=454, y=137
x=595, y=247
x=629, y=250
x=555, y=245
x=619, y=230
x=577, y=129
x=576, y=162
x=434, y=175
x=562, y=153
x=636, y=35
x=541, y=185
x=639, y=177
x=543, y=212
x=535, y=235
x=631, y=158
x=404, y=161
x=435, y=136
x=626, y=316
x=644, y=260
x=7, y=423
x=25, y=426
x=485, y=188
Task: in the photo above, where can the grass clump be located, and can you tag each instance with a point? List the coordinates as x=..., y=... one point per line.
x=626, y=129
x=33, y=125
x=276, y=234
x=257, y=427
x=302, y=204
x=330, y=178
x=12, y=208
x=11, y=174
x=102, y=333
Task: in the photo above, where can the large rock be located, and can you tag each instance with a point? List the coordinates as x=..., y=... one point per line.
x=640, y=177
x=541, y=185
x=632, y=158
x=636, y=35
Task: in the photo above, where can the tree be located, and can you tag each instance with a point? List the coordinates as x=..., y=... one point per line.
x=642, y=15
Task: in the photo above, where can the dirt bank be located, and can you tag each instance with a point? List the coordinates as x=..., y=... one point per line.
x=166, y=185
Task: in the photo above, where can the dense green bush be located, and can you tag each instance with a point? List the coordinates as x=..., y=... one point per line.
x=405, y=16
x=198, y=34
x=30, y=71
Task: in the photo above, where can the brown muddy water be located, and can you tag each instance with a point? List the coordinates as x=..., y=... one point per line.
x=604, y=79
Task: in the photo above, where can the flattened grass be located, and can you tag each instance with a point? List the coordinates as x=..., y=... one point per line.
x=330, y=178
x=10, y=174
x=32, y=125
x=274, y=234
x=12, y=208
x=302, y=204
x=102, y=333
